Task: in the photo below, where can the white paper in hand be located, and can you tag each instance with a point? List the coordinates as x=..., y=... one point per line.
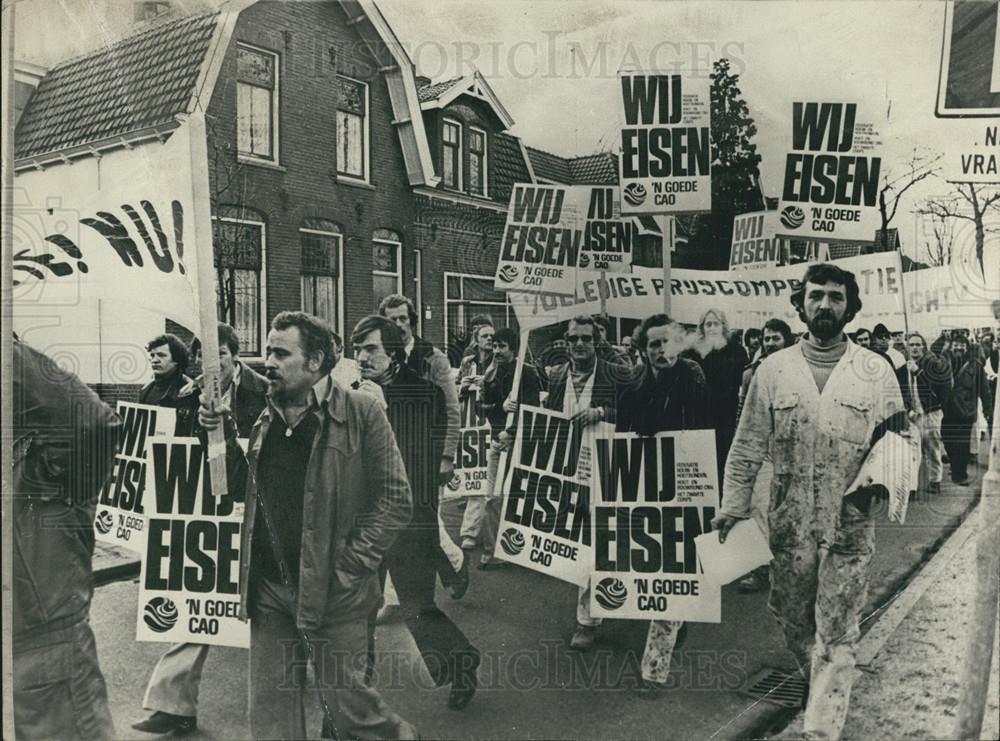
x=745, y=549
x=893, y=462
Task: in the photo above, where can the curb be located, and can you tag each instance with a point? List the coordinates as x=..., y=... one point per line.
x=764, y=718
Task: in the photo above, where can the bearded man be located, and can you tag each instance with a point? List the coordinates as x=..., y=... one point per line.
x=814, y=407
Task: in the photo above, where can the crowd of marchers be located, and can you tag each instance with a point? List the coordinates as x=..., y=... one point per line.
x=346, y=458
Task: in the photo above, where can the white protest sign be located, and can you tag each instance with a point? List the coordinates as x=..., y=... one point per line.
x=189, y=585
x=745, y=549
x=653, y=496
x=545, y=516
x=469, y=477
x=755, y=245
x=120, y=517
x=665, y=161
x=832, y=170
x=748, y=298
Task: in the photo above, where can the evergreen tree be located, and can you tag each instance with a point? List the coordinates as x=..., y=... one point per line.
x=735, y=173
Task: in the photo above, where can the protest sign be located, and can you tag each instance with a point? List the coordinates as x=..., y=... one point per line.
x=665, y=160
x=545, y=516
x=653, y=496
x=107, y=239
x=755, y=245
x=120, y=517
x=469, y=477
x=950, y=297
x=189, y=584
x=832, y=171
x=553, y=229
x=748, y=300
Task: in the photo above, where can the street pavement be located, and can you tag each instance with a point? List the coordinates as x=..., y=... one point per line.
x=910, y=687
x=531, y=684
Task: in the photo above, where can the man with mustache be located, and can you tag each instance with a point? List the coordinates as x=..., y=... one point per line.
x=326, y=497
x=814, y=406
x=969, y=387
x=419, y=420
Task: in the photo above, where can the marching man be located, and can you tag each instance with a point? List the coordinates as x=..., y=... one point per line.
x=815, y=406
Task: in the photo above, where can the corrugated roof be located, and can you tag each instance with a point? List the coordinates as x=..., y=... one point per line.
x=435, y=90
x=591, y=169
x=509, y=167
x=140, y=82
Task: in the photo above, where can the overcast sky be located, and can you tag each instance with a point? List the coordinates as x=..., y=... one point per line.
x=553, y=63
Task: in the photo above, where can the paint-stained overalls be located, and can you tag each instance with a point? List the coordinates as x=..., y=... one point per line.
x=822, y=545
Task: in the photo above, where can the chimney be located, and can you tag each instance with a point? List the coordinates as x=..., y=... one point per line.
x=422, y=81
x=27, y=76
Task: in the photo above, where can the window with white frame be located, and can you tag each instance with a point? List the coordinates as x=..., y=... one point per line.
x=239, y=255
x=321, y=273
x=468, y=295
x=451, y=154
x=477, y=161
x=352, y=128
x=387, y=266
x=257, y=103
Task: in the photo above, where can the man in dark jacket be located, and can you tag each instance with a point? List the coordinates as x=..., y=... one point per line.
x=170, y=387
x=925, y=381
x=417, y=414
x=64, y=447
x=969, y=386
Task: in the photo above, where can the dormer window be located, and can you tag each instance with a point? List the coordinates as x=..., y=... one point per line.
x=451, y=154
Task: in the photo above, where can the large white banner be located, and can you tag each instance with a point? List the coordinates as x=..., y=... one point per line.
x=832, y=172
x=652, y=497
x=189, y=585
x=665, y=162
x=106, y=243
x=749, y=298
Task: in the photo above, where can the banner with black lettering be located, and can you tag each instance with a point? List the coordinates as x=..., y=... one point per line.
x=666, y=154
x=469, y=477
x=120, y=517
x=755, y=244
x=553, y=229
x=652, y=497
x=832, y=170
x=189, y=584
x=545, y=516
x=748, y=299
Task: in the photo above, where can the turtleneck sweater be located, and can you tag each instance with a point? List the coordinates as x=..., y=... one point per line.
x=822, y=360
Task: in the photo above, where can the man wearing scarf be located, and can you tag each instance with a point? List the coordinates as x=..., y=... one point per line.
x=419, y=421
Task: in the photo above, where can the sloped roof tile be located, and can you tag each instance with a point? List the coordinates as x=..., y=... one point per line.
x=509, y=167
x=140, y=82
x=591, y=169
x=431, y=92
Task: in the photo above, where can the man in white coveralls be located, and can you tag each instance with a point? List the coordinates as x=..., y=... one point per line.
x=820, y=401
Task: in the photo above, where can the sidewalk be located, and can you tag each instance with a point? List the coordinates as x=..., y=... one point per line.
x=909, y=686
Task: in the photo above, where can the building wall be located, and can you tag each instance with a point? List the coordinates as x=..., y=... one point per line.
x=314, y=44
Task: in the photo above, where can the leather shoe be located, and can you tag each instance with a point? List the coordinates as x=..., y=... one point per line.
x=460, y=585
x=466, y=680
x=583, y=638
x=162, y=723
x=389, y=614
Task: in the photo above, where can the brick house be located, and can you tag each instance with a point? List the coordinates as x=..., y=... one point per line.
x=315, y=147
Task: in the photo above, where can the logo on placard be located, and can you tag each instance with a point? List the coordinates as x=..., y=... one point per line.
x=160, y=614
x=508, y=273
x=610, y=593
x=103, y=522
x=584, y=260
x=635, y=194
x=512, y=541
x=456, y=482
x=792, y=217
